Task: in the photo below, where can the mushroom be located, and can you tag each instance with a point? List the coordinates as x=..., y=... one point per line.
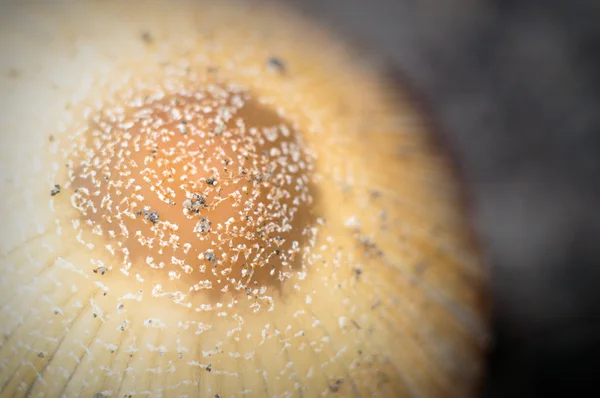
x=246, y=207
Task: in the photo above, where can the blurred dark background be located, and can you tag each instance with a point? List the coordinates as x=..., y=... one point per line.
x=515, y=86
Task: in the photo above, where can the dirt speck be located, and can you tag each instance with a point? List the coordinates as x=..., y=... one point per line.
x=276, y=65
x=147, y=38
x=55, y=191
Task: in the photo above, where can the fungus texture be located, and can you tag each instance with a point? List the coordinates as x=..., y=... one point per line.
x=232, y=202
x=205, y=190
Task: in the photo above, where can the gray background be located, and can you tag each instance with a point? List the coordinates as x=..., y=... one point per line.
x=515, y=86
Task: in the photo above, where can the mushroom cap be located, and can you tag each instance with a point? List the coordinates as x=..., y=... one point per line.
x=349, y=267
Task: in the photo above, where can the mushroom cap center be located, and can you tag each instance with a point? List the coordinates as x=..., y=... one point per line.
x=206, y=190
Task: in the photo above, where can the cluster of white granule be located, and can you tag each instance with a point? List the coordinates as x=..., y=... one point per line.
x=203, y=190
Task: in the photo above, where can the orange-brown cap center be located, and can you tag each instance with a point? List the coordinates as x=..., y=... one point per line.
x=206, y=190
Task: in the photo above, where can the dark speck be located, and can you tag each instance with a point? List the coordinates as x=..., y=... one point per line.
x=195, y=203
x=335, y=387
x=204, y=225
x=209, y=368
x=210, y=256
x=210, y=181
x=147, y=38
x=152, y=216
x=101, y=270
x=55, y=191
x=276, y=65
